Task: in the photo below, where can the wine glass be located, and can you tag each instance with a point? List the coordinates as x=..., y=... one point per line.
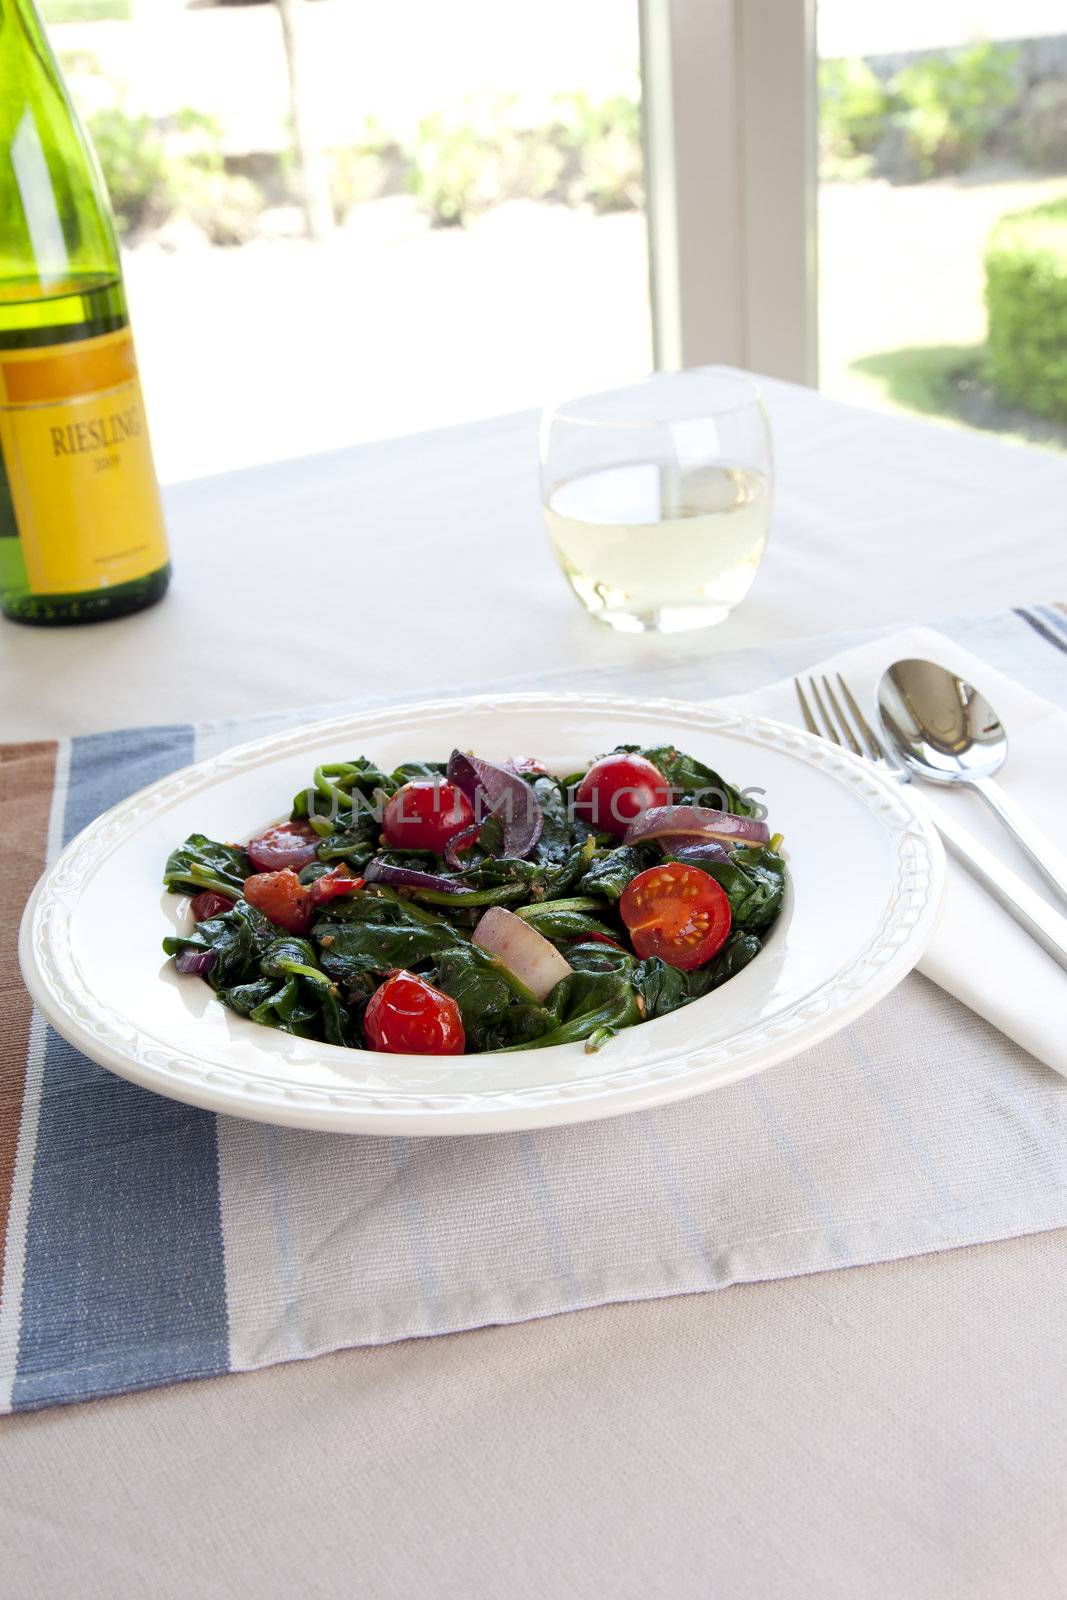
x=658, y=496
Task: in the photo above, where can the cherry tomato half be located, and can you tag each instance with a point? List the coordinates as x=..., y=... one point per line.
x=425, y=814
x=331, y=885
x=287, y=844
x=408, y=1016
x=209, y=904
x=676, y=912
x=618, y=788
x=281, y=897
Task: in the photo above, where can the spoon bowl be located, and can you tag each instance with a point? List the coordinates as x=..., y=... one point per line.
x=943, y=729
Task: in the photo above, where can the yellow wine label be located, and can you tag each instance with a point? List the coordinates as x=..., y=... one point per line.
x=79, y=465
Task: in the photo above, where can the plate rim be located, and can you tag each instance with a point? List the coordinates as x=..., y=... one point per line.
x=909, y=921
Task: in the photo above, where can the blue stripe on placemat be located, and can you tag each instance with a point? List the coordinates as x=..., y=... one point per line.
x=124, y=1278
x=1056, y=617
x=1042, y=627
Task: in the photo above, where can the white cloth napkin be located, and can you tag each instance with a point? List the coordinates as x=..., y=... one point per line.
x=979, y=954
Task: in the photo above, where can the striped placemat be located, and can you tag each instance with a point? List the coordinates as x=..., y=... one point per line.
x=146, y=1241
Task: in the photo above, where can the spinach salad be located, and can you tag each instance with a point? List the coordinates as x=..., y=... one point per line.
x=463, y=907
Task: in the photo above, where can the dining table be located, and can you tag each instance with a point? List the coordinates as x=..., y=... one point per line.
x=895, y=1430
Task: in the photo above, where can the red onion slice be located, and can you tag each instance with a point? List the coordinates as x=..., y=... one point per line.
x=696, y=822
x=377, y=871
x=196, y=962
x=286, y=844
x=523, y=950
x=458, y=842
x=698, y=852
x=494, y=791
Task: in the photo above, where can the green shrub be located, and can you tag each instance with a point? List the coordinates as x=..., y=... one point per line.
x=363, y=170
x=1026, y=298
x=454, y=167
x=950, y=104
x=224, y=205
x=155, y=169
x=853, y=117
x=87, y=10
x=464, y=161
x=357, y=173
x=133, y=158
x=1042, y=130
x=602, y=140
x=79, y=62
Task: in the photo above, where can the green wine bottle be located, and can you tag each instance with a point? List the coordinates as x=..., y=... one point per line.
x=81, y=524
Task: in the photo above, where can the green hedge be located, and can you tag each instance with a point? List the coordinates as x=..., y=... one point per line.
x=1026, y=297
x=86, y=10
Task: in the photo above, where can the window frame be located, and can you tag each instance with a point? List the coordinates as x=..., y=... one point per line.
x=729, y=112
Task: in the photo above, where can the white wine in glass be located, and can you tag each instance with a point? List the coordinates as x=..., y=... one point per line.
x=658, y=498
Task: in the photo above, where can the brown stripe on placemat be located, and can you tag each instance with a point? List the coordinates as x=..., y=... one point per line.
x=27, y=774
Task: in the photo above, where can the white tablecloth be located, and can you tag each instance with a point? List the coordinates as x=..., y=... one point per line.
x=890, y=1431
x=421, y=562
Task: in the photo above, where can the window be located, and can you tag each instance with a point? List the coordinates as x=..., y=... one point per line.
x=483, y=179
x=936, y=123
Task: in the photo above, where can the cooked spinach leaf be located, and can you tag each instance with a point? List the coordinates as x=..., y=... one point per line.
x=317, y=986
x=611, y=870
x=352, y=838
x=491, y=881
x=593, y=955
x=362, y=944
x=754, y=881
x=203, y=863
x=587, y=1005
x=662, y=988
x=286, y=1010
x=560, y=877
x=238, y=939
x=696, y=782
x=244, y=998
x=338, y=787
x=736, y=953
x=495, y=1008
x=561, y=830
x=559, y=920
x=409, y=771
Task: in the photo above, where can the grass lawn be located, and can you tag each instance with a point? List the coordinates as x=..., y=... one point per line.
x=902, y=317
x=948, y=382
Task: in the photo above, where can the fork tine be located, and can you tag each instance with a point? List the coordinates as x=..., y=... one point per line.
x=842, y=721
x=875, y=748
x=805, y=710
x=831, y=731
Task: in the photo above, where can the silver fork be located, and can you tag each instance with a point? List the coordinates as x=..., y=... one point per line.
x=849, y=727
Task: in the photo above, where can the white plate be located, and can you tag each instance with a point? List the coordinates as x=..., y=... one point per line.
x=866, y=876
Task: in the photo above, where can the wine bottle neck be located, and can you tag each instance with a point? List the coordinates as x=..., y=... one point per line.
x=21, y=25
x=57, y=241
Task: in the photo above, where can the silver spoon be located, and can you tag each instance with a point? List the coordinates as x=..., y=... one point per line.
x=946, y=732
